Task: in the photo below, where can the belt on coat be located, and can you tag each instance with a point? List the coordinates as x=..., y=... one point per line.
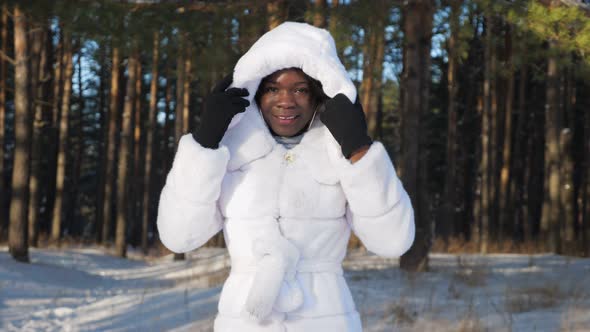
x=303, y=266
x=274, y=267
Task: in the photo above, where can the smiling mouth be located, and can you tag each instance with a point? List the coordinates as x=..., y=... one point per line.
x=291, y=117
x=286, y=120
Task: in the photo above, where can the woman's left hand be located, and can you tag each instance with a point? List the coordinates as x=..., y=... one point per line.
x=346, y=122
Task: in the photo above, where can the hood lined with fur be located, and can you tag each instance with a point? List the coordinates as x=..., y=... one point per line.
x=289, y=45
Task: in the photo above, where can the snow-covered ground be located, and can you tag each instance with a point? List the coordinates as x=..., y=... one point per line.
x=87, y=290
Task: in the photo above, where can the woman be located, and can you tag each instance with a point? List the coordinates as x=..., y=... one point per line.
x=282, y=163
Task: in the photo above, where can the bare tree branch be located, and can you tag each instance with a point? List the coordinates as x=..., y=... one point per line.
x=7, y=58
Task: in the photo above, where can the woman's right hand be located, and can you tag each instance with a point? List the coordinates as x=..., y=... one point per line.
x=220, y=107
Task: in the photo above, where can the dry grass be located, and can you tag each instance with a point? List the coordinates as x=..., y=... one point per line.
x=532, y=298
x=470, y=274
x=471, y=321
x=401, y=314
x=457, y=245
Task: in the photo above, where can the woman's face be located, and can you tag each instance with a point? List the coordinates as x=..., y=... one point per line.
x=286, y=102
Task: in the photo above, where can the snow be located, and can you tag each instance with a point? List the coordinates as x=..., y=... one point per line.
x=85, y=289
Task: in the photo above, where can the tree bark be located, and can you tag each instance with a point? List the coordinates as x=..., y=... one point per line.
x=494, y=116
x=111, y=149
x=374, y=50
x=505, y=197
x=567, y=234
x=3, y=76
x=135, y=177
x=487, y=138
x=78, y=146
x=277, y=12
x=150, y=131
x=179, y=119
x=476, y=228
x=334, y=20
x=319, y=13
x=123, y=166
x=551, y=206
x=54, y=120
x=586, y=188
x=39, y=73
x=59, y=206
x=449, y=197
x=569, y=164
x=104, y=132
x=168, y=126
x=180, y=78
x=17, y=233
x=518, y=185
x=416, y=78
x=186, y=92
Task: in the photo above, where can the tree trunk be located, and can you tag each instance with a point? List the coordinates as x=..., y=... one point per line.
x=111, y=149
x=135, y=176
x=567, y=234
x=551, y=206
x=586, y=187
x=518, y=185
x=123, y=166
x=180, y=78
x=494, y=150
x=59, y=206
x=17, y=233
x=3, y=76
x=39, y=89
x=476, y=229
x=487, y=138
x=78, y=146
x=449, y=199
x=102, y=159
x=468, y=139
x=505, y=199
x=569, y=192
x=186, y=92
x=319, y=13
x=179, y=118
x=150, y=129
x=373, y=53
x=168, y=127
x=277, y=13
x=54, y=120
x=334, y=21
x=416, y=78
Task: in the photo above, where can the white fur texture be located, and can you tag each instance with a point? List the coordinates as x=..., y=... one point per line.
x=287, y=214
x=297, y=45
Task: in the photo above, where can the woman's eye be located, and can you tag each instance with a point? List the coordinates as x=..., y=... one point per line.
x=302, y=90
x=270, y=89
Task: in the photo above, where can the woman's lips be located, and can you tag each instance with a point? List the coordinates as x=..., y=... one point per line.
x=286, y=119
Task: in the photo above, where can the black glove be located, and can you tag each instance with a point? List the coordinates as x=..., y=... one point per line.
x=346, y=121
x=220, y=107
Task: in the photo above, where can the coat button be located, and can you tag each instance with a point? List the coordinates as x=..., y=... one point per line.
x=289, y=157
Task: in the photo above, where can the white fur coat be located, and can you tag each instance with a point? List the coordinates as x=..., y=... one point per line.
x=286, y=214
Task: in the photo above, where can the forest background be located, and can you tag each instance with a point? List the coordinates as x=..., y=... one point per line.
x=482, y=105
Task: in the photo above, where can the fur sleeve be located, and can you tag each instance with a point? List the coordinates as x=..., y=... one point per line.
x=187, y=213
x=379, y=209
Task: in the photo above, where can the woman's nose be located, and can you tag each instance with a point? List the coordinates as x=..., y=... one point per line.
x=286, y=99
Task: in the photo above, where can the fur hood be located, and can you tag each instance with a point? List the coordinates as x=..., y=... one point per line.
x=297, y=45
x=291, y=44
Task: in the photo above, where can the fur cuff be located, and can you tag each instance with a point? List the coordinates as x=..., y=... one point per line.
x=197, y=172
